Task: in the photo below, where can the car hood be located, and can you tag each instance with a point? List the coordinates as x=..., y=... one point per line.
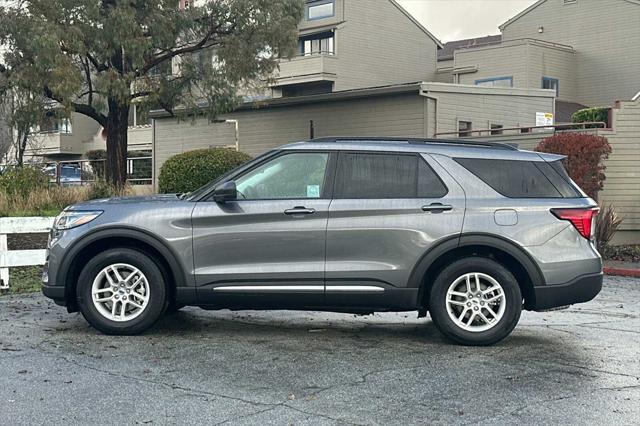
x=126, y=200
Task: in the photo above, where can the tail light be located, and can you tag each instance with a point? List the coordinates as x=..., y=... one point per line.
x=583, y=219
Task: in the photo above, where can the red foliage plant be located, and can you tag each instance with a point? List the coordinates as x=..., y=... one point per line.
x=585, y=158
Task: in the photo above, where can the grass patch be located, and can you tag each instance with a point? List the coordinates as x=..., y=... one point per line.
x=25, y=279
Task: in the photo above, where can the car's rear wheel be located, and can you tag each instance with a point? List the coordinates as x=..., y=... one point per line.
x=121, y=291
x=475, y=301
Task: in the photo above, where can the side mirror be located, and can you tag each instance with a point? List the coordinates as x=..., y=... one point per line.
x=225, y=192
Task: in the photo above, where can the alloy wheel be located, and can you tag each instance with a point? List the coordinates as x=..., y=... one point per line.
x=475, y=302
x=120, y=292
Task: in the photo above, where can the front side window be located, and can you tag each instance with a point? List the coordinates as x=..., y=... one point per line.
x=320, y=9
x=379, y=176
x=290, y=176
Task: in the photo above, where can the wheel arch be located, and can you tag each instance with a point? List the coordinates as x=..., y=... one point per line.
x=500, y=249
x=85, y=248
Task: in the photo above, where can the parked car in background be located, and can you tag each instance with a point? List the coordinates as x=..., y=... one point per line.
x=470, y=232
x=70, y=174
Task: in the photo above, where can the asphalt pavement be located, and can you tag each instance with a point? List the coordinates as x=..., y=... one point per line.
x=577, y=366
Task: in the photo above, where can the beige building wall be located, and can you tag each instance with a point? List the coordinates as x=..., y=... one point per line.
x=376, y=43
x=380, y=44
x=622, y=187
x=605, y=35
x=418, y=111
x=525, y=61
x=483, y=106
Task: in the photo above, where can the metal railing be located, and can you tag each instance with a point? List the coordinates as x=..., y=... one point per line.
x=83, y=172
x=525, y=130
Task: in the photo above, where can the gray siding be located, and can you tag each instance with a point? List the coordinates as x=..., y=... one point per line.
x=605, y=35
x=622, y=187
x=527, y=61
x=485, y=106
x=379, y=45
x=263, y=129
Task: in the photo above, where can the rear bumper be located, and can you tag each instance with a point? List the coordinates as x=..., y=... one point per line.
x=579, y=290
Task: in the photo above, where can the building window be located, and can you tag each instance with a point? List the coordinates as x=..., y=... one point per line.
x=551, y=83
x=320, y=9
x=496, y=129
x=464, y=128
x=53, y=124
x=317, y=43
x=495, y=82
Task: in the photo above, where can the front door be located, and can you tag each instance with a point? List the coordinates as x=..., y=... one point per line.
x=388, y=210
x=267, y=248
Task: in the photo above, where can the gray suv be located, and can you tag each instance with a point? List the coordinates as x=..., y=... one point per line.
x=470, y=232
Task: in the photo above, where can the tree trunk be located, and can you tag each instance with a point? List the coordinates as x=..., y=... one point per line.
x=117, y=125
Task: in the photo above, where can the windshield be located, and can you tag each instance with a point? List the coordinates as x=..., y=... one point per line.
x=194, y=195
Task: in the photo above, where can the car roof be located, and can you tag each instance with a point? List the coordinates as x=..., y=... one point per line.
x=462, y=148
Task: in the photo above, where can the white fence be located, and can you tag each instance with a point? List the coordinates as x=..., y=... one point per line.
x=15, y=258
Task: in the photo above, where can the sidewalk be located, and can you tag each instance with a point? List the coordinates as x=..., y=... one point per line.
x=624, y=269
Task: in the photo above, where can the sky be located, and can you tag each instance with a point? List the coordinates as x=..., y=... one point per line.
x=450, y=20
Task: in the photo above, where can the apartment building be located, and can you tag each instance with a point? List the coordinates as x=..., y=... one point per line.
x=585, y=50
x=363, y=68
x=71, y=138
x=347, y=44
x=588, y=52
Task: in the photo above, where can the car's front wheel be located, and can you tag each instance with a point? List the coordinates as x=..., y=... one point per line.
x=121, y=291
x=475, y=301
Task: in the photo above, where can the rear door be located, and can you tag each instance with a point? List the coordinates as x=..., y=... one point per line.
x=388, y=210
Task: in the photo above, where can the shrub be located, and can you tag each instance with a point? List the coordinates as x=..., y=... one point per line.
x=607, y=223
x=587, y=115
x=23, y=180
x=190, y=170
x=585, y=158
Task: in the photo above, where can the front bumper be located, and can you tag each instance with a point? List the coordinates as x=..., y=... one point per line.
x=579, y=290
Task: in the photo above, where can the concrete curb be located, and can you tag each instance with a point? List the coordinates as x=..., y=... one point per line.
x=622, y=272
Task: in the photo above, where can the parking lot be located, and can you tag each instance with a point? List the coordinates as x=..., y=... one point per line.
x=577, y=366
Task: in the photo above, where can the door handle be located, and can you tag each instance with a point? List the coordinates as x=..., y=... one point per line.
x=299, y=210
x=437, y=208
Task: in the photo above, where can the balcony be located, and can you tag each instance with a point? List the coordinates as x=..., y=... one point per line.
x=54, y=143
x=307, y=69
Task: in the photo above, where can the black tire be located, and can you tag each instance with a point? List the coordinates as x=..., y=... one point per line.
x=157, y=291
x=438, y=301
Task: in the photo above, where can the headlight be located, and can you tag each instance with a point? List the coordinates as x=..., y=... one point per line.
x=71, y=219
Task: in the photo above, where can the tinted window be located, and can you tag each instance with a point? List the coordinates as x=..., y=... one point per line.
x=559, y=178
x=386, y=176
x=298, y=175
x=515, y=179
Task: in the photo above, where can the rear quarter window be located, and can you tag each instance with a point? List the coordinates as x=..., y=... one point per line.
x=520, y=179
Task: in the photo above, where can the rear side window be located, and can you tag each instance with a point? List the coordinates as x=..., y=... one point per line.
x=364, y=175
x=520, y=179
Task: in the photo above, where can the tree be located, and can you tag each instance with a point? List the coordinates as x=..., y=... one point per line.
x=23, y=112
x=97, y=57
x=585, y=153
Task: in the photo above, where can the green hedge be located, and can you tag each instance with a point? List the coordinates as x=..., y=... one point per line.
x=587, y=115
x=191, y=170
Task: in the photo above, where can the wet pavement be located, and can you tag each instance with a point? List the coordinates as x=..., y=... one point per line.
x=577, y=366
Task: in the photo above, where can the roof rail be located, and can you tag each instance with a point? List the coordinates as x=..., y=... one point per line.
x=419, y=141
